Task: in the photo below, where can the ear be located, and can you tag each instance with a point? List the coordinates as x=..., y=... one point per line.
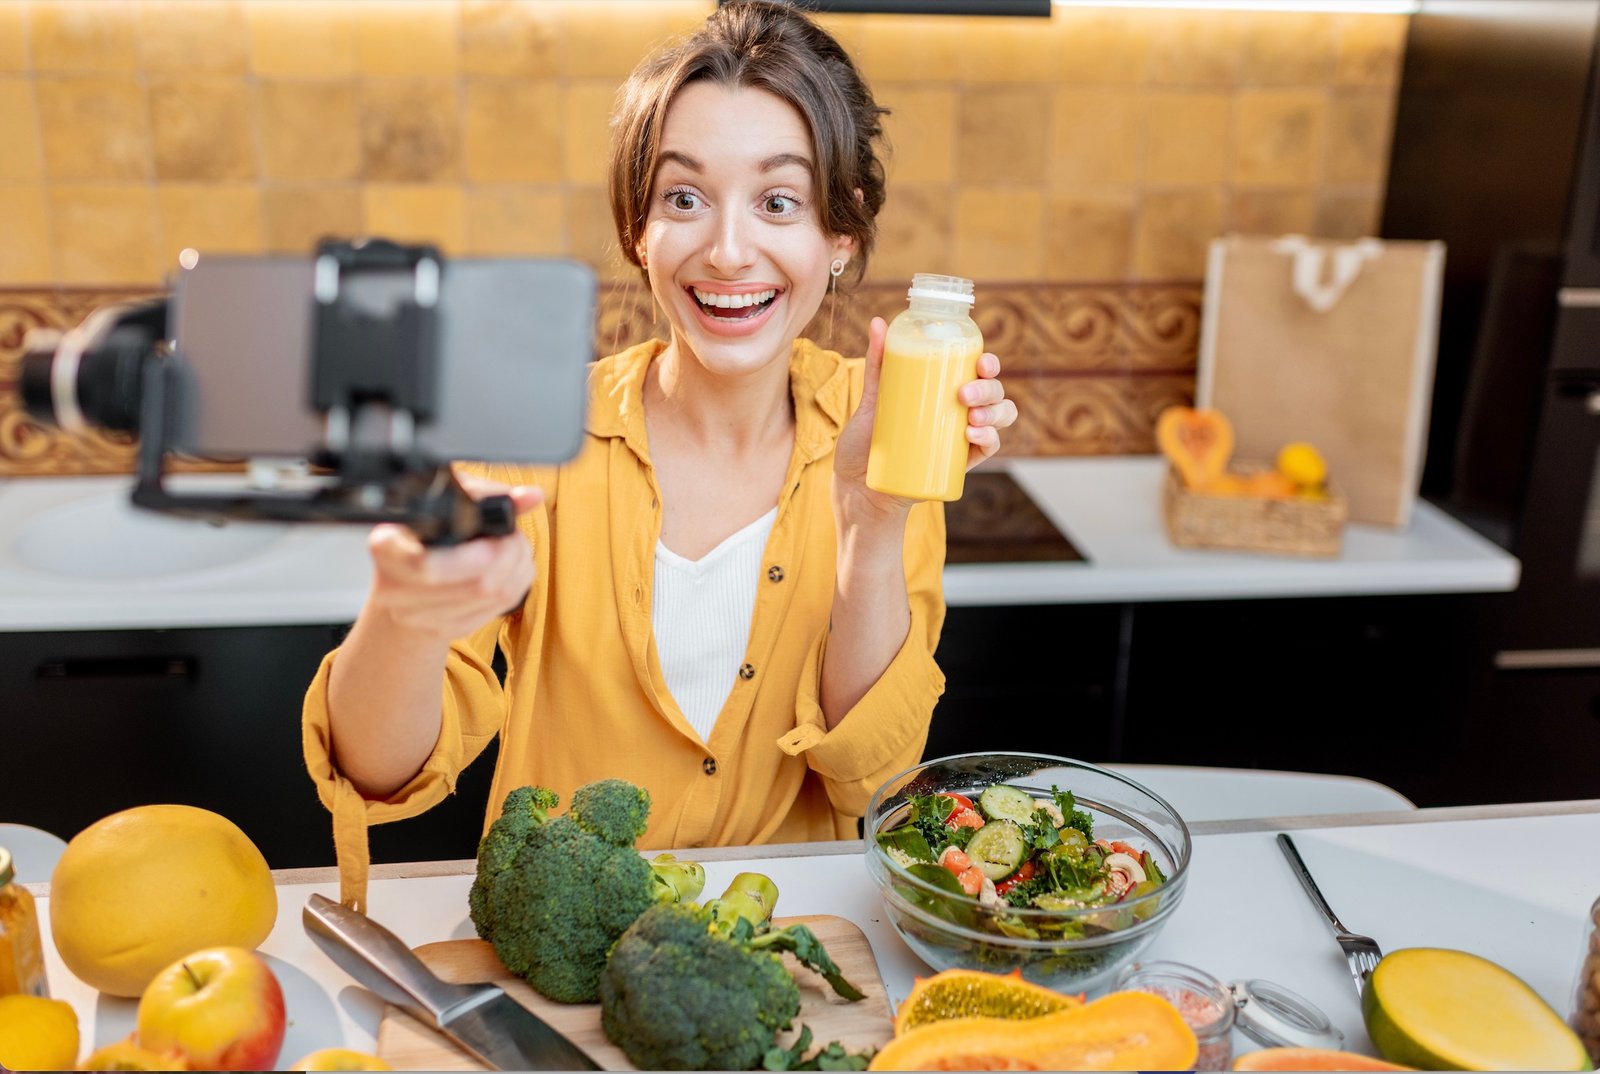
x=844, y=246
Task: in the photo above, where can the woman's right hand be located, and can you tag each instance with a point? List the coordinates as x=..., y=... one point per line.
x=446, y=593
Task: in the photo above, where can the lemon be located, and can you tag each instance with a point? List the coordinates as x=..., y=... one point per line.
x=37, y=1034
x=138, y=890
x=340, y=1059
x=1302, y=464
x=126, y=1054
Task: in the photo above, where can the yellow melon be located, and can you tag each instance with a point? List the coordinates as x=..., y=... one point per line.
x=138, y=890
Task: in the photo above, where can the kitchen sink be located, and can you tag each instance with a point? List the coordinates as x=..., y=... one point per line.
x=99, y=535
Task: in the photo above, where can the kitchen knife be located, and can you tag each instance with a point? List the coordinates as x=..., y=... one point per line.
x=481, y=1018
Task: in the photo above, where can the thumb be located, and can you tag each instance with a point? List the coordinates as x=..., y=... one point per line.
x=876, y=332
x=526, y=498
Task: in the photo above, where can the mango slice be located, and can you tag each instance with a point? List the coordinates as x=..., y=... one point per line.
x=1436, y=1009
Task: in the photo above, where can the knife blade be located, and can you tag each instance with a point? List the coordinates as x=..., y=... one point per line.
x=481, y=1018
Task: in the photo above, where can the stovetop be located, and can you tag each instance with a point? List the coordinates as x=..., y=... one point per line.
x=996, y=522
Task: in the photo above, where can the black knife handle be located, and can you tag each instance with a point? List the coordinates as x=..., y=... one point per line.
x=380, y=960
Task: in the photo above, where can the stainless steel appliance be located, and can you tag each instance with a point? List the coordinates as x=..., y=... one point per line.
x=1497, y=152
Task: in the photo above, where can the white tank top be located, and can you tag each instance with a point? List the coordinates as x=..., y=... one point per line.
x=700, y=610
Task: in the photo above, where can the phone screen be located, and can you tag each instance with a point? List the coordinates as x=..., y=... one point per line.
x=516, y=337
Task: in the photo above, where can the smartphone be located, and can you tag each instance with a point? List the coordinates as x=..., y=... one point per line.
x=515, y=339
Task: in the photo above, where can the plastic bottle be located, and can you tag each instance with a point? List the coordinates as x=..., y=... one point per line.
x=21, y=954
x=919, y=441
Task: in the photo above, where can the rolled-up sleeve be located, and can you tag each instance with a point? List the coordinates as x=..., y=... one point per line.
x=885, y=732
x=473, y=708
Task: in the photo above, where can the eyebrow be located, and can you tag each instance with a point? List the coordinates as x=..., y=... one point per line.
x=771, y=163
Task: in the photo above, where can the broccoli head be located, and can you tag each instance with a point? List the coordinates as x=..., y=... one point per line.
x=681, y=994
x=553, y=893
x=705, y=987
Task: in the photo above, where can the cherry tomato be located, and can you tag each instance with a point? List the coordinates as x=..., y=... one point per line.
x=1024, y=873
x=964, y=818
x=959, y=803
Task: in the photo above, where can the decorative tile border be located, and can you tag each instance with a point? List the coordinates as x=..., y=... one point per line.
x=1090, y=366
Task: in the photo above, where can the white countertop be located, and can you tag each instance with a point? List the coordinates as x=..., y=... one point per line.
x=1110, y=508
x=75, y=556
x=1424, y=878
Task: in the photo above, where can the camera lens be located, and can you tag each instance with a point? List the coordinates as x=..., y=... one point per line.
x=92, y=375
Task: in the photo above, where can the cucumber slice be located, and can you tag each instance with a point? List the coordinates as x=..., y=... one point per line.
x=1002, y=802
x=998, y=848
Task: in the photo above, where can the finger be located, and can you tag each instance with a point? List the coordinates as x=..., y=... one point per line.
x=988, y=365
x=999, y=415
x=982, y=392
x=508, y=578
x=985, y=439
x=479, y=487
x=465, y=562
x=876, y=332
x=395, y=550
x=526, y=498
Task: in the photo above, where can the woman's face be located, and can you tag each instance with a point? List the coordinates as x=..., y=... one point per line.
x=733, y=242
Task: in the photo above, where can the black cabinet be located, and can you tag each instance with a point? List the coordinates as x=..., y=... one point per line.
x=1034, y=679
x=1375, y=687
x=97, y=721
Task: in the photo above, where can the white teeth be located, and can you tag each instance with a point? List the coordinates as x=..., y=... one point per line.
x=711, y=298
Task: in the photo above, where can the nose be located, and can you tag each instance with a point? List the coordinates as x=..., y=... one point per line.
x=732, y=244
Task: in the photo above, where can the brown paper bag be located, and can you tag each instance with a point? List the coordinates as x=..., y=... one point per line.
x=1331, y=343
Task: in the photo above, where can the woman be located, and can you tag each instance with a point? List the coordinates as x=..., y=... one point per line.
x=717, y=607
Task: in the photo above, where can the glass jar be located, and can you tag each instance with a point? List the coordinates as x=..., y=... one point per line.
x=1205, y=1003
x=919, y=430
x=1586, y=990
x=21, y=954
x=1267, y=1013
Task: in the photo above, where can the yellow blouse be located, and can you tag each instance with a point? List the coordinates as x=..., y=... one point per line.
x=584, y=697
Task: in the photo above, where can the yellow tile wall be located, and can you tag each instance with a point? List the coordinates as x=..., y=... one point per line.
x=1100, y=145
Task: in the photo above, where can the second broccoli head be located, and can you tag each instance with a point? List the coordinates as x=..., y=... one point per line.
x=553, y=893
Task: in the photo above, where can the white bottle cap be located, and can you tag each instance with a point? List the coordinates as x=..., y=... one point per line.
x=941, y=288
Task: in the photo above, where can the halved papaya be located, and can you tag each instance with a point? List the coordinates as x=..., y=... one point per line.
x=1198, y=442
x=1310, y=1059
x=973, y=993
x=1438, y=1009
x=1121, y=1031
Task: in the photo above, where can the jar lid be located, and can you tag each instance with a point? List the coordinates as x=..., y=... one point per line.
x=1272, y=1015
x=6, y=869
x=944, y=288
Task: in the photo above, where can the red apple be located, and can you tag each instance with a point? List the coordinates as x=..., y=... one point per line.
x=220, y=1008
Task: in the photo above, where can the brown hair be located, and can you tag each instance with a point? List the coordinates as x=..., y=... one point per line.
x=768, y=45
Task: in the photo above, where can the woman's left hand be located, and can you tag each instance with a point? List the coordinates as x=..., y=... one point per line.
x=988, y=411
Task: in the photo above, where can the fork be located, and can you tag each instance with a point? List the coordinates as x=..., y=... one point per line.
x=1360, y=952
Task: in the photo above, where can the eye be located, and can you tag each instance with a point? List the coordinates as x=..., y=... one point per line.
x=779, y=204
x=683, y=200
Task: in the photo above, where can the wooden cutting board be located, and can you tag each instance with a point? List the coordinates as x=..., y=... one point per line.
x=409, y=1045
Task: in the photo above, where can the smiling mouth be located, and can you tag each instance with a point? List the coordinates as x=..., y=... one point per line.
x=733, y=308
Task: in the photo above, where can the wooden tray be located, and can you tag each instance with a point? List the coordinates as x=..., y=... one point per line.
x=409, y=1045
x=1253, y=524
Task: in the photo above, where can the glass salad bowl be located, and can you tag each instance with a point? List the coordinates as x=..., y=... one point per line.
x=1071, y=944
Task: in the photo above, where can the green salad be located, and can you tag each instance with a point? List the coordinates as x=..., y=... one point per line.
x=1009, y=851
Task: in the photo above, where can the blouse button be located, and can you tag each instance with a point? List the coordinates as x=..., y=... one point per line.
x=775, y=573
x=747, y=672
x=710, y=766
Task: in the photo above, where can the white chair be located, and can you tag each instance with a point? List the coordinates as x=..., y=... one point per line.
x=1199, y=793
x=34, y=851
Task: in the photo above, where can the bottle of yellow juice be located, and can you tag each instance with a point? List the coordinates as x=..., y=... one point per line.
x=919, y=439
